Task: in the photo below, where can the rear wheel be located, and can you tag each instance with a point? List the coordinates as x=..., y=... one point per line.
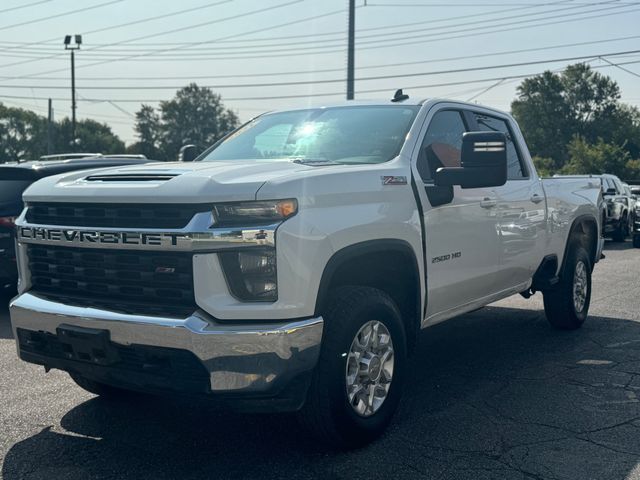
x=358, y=381
x=566, y=305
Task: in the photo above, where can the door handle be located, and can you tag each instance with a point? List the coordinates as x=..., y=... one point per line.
x=535, y=198
x=487, y=202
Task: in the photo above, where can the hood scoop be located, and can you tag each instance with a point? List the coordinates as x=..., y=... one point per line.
x=132, y=177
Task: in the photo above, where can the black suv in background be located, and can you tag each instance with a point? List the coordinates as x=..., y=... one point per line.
x=16, y=177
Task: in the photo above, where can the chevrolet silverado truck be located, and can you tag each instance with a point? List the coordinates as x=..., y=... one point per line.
x=291, y=266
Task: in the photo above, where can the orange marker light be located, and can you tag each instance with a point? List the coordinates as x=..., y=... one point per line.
x=286, y=208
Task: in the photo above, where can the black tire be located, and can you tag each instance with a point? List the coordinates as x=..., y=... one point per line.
x=327, y=413
x=621, y=232
x=559, y=305
x=636, y=241
x=101, y=389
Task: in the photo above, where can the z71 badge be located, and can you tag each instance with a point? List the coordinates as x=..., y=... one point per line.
x=394, y=180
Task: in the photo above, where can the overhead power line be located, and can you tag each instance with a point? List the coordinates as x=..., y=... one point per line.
x=322, y=94
x=305, y=35
x=338, y=80
x=617, y=65
x=58, y=15
x=455, y=4
x=332, y=43
x=18, y=7
x=332, y=70
x=294, y=22
x=175, y=30
x=127, y=47
x=188, y=52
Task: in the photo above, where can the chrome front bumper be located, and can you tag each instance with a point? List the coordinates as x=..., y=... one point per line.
x=241, y=359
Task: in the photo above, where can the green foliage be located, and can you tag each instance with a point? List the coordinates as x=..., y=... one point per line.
x=601, y=157
x=91, y=137
x=553, y=109
x=23, y=134
x=544, y=166
x=147, y=128
x=194, y=116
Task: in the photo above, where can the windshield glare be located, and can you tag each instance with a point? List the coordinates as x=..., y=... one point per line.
x=360, y=134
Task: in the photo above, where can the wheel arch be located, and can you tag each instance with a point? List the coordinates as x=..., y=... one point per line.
x=390, y=265
x=586, y=227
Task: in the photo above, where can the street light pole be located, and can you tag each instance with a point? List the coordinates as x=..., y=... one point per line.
x=73, y=48
x=351, y=50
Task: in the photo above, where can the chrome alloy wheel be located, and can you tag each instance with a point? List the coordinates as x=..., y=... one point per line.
x=369, y=368
x=580, y=286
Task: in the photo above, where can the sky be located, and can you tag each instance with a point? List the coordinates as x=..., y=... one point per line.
x=255, y=54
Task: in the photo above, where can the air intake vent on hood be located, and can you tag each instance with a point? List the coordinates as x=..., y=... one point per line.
x=132, y=177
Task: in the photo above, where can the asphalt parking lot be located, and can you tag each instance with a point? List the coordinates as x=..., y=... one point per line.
x=493, y=394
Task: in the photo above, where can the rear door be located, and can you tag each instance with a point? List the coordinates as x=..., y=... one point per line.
x=462, y=245
x=521, y=208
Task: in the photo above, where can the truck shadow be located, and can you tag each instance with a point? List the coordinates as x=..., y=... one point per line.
x=611, y=245
x=493, y=394
x=5, y=324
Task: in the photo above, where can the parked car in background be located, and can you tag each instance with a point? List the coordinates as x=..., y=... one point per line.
x=15, y=177
x=635, y=227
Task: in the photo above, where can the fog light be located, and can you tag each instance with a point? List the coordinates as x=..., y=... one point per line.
x=251, y=275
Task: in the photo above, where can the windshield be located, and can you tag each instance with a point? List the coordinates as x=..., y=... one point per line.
x=359, y=134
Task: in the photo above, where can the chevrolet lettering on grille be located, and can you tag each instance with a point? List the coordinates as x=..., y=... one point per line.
x=29, y=234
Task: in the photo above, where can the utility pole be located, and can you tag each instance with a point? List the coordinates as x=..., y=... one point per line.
x=351, y=50
x=49, y=128
x=73, y=48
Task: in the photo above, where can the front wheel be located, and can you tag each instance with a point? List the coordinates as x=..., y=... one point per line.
x=358, y=381
x=566, y=305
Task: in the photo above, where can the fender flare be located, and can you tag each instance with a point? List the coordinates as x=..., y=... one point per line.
x=355, y=250
x=577, y=223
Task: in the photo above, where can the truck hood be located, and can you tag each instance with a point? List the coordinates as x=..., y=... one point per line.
x=200, y=182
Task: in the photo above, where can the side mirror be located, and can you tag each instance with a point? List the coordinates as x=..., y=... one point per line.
x=187, y=153
x=610, y=191
x=483, y=162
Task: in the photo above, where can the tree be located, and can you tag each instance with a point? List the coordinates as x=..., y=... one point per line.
x=91, y=136
x=552, y=109
x=597, y=158
x=147, y=129
x=23, y=134
x=195, y=115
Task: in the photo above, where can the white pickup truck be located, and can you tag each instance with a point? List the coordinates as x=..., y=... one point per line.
x=292, y=265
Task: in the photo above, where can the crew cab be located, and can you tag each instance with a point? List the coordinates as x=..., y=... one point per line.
x=291, y=266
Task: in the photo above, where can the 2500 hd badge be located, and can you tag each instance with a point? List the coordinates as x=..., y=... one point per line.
x=444, y=258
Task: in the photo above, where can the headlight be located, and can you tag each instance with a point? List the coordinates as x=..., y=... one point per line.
x=251, y=274
x=254, y=213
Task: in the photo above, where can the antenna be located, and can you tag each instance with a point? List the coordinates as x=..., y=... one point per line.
x=399, y=96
